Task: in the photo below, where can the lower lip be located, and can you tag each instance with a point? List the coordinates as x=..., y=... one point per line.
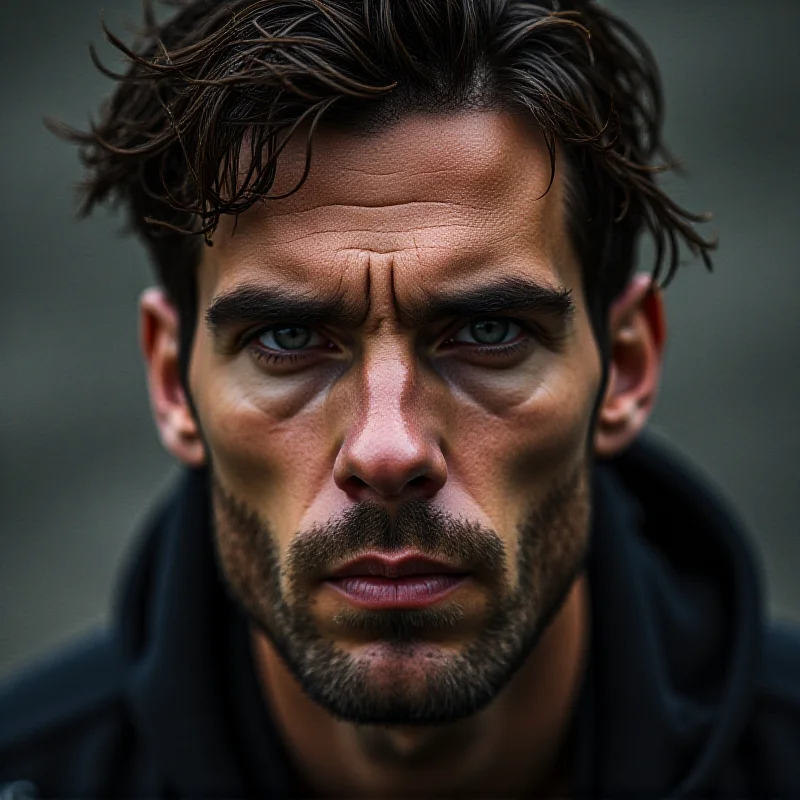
x=414, y=591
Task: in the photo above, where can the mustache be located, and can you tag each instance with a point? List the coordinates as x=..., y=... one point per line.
x=415, y=525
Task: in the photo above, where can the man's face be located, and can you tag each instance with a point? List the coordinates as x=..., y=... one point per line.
x=394, y=372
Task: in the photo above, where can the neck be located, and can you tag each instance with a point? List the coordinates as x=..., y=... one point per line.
x=515, y=746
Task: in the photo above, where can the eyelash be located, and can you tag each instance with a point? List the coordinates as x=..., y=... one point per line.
x=267, y=356
x=500, y=350
x=274, y=357
x=530, y=332
x=493, y=351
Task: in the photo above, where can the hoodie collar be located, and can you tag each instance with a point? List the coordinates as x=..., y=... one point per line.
x=174, y=615
x=676, y=630
x=676, y=624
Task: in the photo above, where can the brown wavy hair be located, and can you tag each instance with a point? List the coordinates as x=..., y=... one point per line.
x=219, y=84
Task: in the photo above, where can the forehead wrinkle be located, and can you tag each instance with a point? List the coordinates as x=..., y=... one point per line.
x=445, y=143
x=453, y=263
x=271, y=228
x=469, y=146
x=367, y=206
x=394, y=172
x=495, y=182
x=286, y=240
x=486, y=178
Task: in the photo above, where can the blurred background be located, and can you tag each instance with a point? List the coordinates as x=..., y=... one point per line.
x=79, y=460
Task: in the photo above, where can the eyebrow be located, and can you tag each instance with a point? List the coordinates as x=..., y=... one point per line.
x=252, y=305
x=502, y=295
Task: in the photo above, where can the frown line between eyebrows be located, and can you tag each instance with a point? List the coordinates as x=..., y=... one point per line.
x=253, y=305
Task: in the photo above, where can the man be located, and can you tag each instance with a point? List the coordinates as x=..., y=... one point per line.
x=421, y=547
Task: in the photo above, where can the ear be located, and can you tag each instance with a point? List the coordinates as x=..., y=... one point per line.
x=637, y=334
x=160, y=342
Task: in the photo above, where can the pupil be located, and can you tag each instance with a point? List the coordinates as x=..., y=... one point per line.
x=490, y=331
x=292, y=338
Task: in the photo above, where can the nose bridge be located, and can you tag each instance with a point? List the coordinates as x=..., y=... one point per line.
x=391, y=443
x=386, y=388
x=388, y=395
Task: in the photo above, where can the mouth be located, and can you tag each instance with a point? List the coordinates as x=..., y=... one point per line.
x=406, y=581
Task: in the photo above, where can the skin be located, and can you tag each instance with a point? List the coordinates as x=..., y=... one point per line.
x=386, y=407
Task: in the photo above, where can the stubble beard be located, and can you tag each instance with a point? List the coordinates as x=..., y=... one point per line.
x=405, y=677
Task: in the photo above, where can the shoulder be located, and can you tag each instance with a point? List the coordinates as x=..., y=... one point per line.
x=58, y=691
x=780, y=666
x=771, y=742
x=63, y=720
x=778, y=689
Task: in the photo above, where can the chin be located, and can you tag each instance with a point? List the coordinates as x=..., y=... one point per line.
x=401, y=683
x=416, y=685
x=405, y=668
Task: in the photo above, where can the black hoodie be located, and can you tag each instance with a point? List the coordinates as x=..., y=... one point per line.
x=688, y=691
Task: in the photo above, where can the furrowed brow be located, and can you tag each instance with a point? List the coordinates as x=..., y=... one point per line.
x=504, y=295
x=251, y=305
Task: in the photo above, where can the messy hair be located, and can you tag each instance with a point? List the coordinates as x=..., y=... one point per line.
x=221, y=84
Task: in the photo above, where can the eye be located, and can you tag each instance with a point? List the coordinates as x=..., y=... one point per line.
x=488, y=332
x=289, y=337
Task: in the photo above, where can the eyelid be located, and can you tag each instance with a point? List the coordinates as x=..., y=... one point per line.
x=251, y=334
x=503, y=320
x=526, y=327
x=272, y=328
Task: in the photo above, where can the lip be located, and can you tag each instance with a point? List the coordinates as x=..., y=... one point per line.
x=402, y=566
x=405, y=581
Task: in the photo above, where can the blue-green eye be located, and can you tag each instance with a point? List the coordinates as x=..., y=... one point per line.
x=488, y=332
x=289, y=337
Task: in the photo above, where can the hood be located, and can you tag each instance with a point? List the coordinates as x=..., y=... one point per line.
x=676, y=631
x=675, y=634
x=173, y=623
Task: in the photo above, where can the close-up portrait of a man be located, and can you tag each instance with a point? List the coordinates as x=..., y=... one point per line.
x=405, y=348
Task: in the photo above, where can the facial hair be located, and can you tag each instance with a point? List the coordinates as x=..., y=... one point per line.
x=404, y=676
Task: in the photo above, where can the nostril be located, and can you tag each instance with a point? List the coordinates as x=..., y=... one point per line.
x=354, y=487
x=422, y=485
x=358, y=489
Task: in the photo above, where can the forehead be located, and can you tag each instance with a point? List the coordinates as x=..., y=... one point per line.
x=443, y=199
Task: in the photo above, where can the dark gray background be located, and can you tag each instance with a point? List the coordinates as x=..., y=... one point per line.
x=80, y=459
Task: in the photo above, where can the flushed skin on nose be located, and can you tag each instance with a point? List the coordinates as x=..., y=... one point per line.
x=432, y=205
x=392, y=439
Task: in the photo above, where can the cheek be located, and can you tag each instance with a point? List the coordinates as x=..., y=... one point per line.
x=268, y=440
x=517, y=436
x=525, y=454
x=552, y=432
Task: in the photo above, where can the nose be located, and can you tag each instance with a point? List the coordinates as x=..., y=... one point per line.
x=391, y=450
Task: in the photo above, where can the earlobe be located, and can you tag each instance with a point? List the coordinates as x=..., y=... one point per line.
x=637, y=336
x=160, y=343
